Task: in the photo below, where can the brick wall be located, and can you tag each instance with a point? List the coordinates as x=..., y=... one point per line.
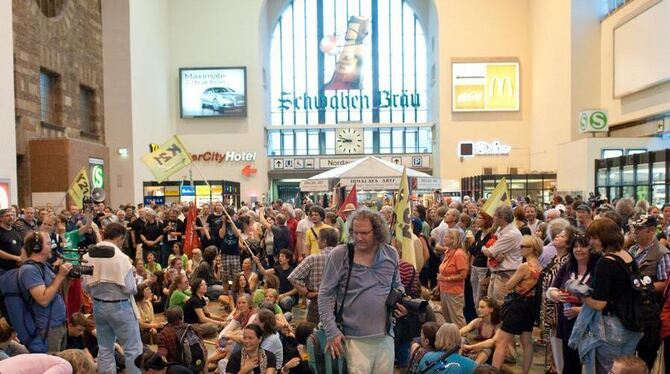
x=55, y=162
x=69, y=45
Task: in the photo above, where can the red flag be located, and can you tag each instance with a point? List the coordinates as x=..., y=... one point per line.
x=351, y=199
x=191, y=239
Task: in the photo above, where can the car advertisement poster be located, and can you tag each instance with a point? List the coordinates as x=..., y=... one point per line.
x=213, y=92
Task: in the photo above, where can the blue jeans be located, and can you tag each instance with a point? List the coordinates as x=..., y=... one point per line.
x=619, y=341
x=402, y=353
x=287, y=303
x=117, y=321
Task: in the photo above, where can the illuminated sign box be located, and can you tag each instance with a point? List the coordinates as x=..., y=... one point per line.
x=202, y=190
x=187, y=190
x=213, y=92
x=485, y=86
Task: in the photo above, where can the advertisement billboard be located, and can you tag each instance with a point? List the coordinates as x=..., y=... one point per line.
x=213, y=92
x=485, y=86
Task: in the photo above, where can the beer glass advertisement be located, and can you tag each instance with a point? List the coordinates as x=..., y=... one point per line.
x=485, y=86
x=213, y=92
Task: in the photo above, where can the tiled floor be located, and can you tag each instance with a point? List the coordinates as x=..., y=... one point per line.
x=299, y=314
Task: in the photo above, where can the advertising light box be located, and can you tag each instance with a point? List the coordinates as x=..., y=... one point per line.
x=213, y=92
x=485, y=86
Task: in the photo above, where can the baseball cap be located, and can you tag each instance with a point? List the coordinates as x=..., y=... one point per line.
x=349, y=208
x=416, y=224
x=584, y=207
x=604, y=207
x=646, y=220
x=561, y=207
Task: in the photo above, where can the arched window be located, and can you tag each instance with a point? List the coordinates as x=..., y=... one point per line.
x=339, y=61
x=51, y=8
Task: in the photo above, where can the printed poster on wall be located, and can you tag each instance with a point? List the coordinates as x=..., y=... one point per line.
x=485, y=86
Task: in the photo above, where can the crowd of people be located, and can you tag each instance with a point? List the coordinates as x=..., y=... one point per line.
x=588, y=277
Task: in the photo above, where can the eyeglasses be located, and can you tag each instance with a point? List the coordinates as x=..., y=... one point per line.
x=364, y=233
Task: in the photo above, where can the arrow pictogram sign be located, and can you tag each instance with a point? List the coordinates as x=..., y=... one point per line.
x=248, y=170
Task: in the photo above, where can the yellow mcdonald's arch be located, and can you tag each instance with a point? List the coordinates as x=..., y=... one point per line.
x=502, y=92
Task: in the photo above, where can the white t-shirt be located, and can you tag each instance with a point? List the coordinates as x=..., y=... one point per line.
x=304, y=225
x=438, y=233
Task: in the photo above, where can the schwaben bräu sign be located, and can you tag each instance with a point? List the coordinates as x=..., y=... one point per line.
x=344, y=100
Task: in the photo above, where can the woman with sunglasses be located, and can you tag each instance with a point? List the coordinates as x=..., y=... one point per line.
x=580, y=266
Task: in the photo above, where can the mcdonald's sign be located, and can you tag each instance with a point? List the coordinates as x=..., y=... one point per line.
x=480, y=86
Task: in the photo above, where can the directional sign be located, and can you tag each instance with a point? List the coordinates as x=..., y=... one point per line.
x=397, y=160
x=288, y=163
x=417, y=161
x=309, y=163
x=248, y=170
x=278, y=163
x=299, y=163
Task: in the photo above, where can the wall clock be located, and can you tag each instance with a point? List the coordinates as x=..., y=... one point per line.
x=349, y=141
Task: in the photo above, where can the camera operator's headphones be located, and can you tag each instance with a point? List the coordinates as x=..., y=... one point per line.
x=37, y=242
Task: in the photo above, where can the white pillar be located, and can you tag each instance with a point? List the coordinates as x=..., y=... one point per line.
x=7, y=112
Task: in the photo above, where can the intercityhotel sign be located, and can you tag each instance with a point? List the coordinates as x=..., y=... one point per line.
x=216, y=156
x=229, y=156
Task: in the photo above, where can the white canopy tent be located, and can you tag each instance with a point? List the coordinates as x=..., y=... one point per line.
x=369, y=173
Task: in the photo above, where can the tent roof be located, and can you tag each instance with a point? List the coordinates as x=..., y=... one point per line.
x=368, y=167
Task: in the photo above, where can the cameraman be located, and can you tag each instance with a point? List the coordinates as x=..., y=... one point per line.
x=38, y=277
x=366, y=336
x=111, y=287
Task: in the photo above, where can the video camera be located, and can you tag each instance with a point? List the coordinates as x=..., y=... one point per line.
x=416, y=306
x=74, y=257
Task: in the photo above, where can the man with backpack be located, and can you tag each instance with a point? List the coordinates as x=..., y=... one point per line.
x=35, y=306
x=179, y=342
x=653, y=260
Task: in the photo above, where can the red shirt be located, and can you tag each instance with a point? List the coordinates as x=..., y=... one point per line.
x=665, y=312
x=292, y=224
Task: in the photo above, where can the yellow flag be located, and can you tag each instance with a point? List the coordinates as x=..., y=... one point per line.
x=403, y=221
x=498, y=197
x=168, y=159
x=80, y=187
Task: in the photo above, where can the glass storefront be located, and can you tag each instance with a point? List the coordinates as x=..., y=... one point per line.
x=640, y=176
x=199, y=191
x=539, y=187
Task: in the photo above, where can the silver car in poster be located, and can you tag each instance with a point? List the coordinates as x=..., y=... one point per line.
x=221, y=98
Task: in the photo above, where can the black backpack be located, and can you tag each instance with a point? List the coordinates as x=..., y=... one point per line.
x=191, y=350
x=642, y=313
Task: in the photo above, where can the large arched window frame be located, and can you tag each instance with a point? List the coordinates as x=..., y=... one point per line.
x=394, y=63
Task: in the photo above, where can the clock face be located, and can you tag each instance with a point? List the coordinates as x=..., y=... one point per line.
x=349, y=141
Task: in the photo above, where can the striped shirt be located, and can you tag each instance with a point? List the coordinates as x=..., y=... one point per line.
x=309, y=272
x=409, y=278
